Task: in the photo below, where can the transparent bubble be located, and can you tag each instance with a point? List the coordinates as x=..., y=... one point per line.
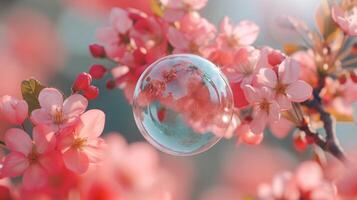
x=182, y=104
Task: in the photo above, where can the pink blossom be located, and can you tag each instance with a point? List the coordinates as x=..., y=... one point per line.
x=114, y=37
x=242, y=34
x=174, y=10
x=246, y=136
x=266, y=109
x=193, y=36
x=308, y=67
x=285, y=84
x=245, y=68
x=80, y=145
x=307, y=182
x=13, y=110
x=29, y=158
x=281, y=128
x=57, y=113
x=346, y=20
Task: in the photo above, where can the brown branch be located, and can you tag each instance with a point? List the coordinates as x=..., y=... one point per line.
x=330, y=143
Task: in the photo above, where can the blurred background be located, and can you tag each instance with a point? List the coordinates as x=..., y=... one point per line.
x=49, y=40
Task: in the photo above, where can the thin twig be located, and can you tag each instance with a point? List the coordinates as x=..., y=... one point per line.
x=330, y=143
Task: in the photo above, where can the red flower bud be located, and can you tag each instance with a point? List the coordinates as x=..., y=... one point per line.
x=300, y=142
x=97, y=71
x=91, y=92
x=82, y=82
x=97, y=51
x=353, y=75
x=342, y=79
x=110, y=84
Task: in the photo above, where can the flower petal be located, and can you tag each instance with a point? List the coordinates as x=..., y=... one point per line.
x=14, y=164
x=74, y=105
x=283, y=102
x=299, y=91
x=247, y=32
x=259, y=121
x=34, y=177
x=315, y=177
x=274, y=112
x=41, y=116
x=289, y=71
x=120, y=20
x=76, y=161
x=18, y=140
x=93, y=123
x=44, y=138
x=251, y=94
x=95, y=150
x=50, y=98
x=267, y=77
x=247, y=137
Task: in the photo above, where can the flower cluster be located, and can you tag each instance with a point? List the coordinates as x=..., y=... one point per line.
x=62, y=132
x=299, y=186
x=263, y=79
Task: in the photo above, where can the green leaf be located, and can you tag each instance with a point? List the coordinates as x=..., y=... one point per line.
x=30, y=90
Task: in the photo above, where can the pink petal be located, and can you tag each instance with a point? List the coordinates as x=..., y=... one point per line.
x=247, y=137
x=338, y=16
x=50, y=98
x=107, y=35
x=34, y=177
x=95, y=150
x=251, y=94
x=283, y=102
x=44, y=138
x=259, y=122
x=18, y=140
x=226, y=26
x=177, y=39
x=299, y=91
x=281, y=128
x=75, y=105
x=93, y=123
x=309, y=175
x=52, y=162
x=21, y=111
x=14, y=164
x=76, y=161
x=65, y=139
x=289, y=71
x=120, y=20
x=274, y=112
x=267, y=77
x=40, y=116
x=247, y=32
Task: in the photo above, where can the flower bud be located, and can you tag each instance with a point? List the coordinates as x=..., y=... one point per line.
x=82, y=82
x=97, y=71
x=97, y=51
x=91, y=92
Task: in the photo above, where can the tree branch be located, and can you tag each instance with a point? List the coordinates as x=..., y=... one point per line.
x=330, y=143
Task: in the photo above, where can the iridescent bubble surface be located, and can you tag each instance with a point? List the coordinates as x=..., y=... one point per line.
x=182, y=104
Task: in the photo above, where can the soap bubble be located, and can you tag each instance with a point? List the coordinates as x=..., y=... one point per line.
x=182, y=104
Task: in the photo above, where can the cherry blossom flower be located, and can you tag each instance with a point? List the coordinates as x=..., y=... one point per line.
x=346, y=20
x=29, y=158
x=306, y=183
x=266, y=109
x=57, y=113
x=80, y=145
x=174, y=10
x=114, y=37
x=232, y=36
x=285, y=84
x=193, y=36
x=13, y=110
x=245, y=68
